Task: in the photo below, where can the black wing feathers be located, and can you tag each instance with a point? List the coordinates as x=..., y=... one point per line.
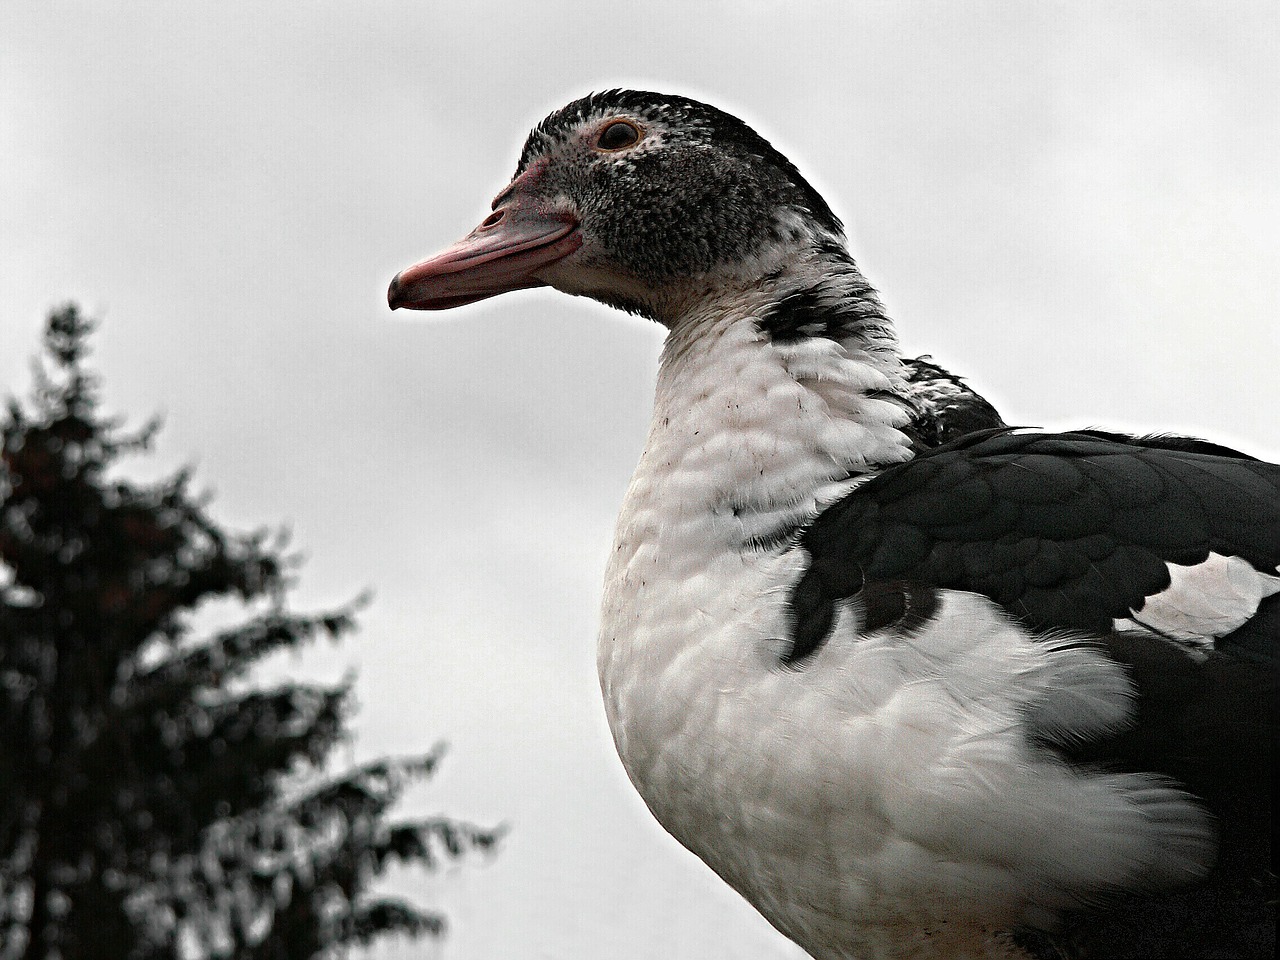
x=947, y=408
x=1063, y=530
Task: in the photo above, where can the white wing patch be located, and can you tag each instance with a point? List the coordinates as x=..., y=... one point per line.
x=1204, y=600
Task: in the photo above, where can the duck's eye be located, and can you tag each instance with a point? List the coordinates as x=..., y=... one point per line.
x=618, y=135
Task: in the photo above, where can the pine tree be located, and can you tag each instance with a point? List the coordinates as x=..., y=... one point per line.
x=155, y=802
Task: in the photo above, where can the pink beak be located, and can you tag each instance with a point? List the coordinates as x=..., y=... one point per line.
x=503, y=253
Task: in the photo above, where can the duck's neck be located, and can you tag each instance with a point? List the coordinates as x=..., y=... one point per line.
x=758, y=421
x=769, y=393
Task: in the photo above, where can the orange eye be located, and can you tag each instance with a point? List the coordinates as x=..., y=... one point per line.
x=618, y=135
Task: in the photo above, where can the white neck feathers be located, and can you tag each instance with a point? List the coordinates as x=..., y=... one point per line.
x=746, y=425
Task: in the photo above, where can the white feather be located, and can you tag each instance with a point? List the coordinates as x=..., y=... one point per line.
x=1203, y=600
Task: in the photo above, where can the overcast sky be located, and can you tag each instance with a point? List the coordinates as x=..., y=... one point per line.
x=1074, y=205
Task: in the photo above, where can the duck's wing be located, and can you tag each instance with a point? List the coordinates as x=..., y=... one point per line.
x=1162, y=553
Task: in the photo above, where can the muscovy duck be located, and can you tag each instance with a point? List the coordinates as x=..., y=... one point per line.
x=914, y=683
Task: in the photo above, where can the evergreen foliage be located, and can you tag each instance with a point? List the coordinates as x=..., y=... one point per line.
x=154, y=801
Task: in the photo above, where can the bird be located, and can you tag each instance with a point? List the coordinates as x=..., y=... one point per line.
x=913, y=681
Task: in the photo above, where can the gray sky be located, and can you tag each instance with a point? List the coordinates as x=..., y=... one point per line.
x=1074, y=205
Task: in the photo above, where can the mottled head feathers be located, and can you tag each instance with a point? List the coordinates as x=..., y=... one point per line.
x=700, y=189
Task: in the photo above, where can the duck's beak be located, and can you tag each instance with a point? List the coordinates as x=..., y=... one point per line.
x=503, y=253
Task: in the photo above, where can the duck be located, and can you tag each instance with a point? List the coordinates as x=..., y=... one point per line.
x=914, y=682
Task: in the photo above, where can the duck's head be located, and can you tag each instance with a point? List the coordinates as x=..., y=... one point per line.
x=640, y=200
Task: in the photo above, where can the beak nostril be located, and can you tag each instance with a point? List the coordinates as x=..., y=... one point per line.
x=493, y=219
